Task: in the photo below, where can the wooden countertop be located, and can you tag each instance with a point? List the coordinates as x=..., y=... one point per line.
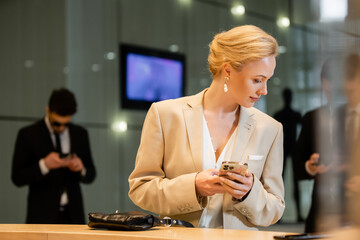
x=78, y=232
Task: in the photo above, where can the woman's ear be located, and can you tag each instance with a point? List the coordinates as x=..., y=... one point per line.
x=226, y=69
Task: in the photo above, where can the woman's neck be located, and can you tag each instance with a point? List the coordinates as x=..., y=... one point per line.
x=217, y=101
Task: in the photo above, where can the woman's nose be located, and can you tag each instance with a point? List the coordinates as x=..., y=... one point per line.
x=263, y=90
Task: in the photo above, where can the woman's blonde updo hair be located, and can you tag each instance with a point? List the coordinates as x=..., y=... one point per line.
x=239, y=46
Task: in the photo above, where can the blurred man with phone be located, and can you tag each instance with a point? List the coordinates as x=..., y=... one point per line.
x=53, y=156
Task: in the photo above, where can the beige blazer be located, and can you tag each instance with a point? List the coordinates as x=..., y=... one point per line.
x=170, y=155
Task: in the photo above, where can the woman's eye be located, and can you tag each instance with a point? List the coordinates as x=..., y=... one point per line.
x=257, y=80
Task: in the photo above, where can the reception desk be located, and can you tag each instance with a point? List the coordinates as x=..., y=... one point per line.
x=80, y=232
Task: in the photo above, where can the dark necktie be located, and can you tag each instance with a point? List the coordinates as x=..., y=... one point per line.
x=58, y=143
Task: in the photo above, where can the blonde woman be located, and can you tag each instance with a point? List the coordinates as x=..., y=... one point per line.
x=185, y=140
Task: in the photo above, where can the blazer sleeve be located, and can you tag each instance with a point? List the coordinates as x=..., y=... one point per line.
x=150, y=188
x=86, y=157
x=265, y=203
x=25, y=170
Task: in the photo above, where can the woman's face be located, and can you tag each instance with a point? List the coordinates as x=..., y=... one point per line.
x=249, y=84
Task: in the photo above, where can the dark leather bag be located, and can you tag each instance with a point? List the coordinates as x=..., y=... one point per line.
x=133, y=221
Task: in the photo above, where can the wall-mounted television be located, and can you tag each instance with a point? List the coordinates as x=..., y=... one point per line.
x=149, y=75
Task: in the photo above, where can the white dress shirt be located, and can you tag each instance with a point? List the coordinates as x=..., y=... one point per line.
x=212, y=215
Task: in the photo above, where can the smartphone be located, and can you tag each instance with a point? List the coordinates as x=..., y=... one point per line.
x=231, y=167
x=302, y=236
x=66, y=156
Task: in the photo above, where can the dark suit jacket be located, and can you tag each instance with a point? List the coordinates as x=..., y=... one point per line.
x=290, y=120
x=34, y=143
x=306, y=145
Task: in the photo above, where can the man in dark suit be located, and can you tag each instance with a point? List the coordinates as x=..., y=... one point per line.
x=324, y=150
x=317, y=151
x=315, y=126
x=53, y=156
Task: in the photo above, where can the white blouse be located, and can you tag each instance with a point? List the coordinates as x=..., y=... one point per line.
x=212, y=215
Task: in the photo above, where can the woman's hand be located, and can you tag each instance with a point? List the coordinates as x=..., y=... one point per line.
x=236, y=184
x=207, y=183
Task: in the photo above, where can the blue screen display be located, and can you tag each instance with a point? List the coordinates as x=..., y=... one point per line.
x=150, y=78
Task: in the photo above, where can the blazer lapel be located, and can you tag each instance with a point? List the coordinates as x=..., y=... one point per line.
x=193, y=122
x=246, y=128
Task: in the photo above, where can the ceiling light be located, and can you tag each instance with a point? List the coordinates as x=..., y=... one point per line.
x=174, y=48
x=238, y=10
x=185, y=2
x=120, y=126
x=110, y=55
x=333, y=10
x=282, y=49
x=283, y=22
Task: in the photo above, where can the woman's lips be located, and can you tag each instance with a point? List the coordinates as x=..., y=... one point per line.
x=254, y=99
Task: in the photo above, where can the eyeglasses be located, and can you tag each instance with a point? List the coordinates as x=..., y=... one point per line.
x=57, y=124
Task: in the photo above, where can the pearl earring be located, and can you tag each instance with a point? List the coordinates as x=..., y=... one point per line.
x=225, y=85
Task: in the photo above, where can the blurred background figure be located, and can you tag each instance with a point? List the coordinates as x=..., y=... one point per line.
x=317, y=149
x=53, y=156
x=290, y=120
